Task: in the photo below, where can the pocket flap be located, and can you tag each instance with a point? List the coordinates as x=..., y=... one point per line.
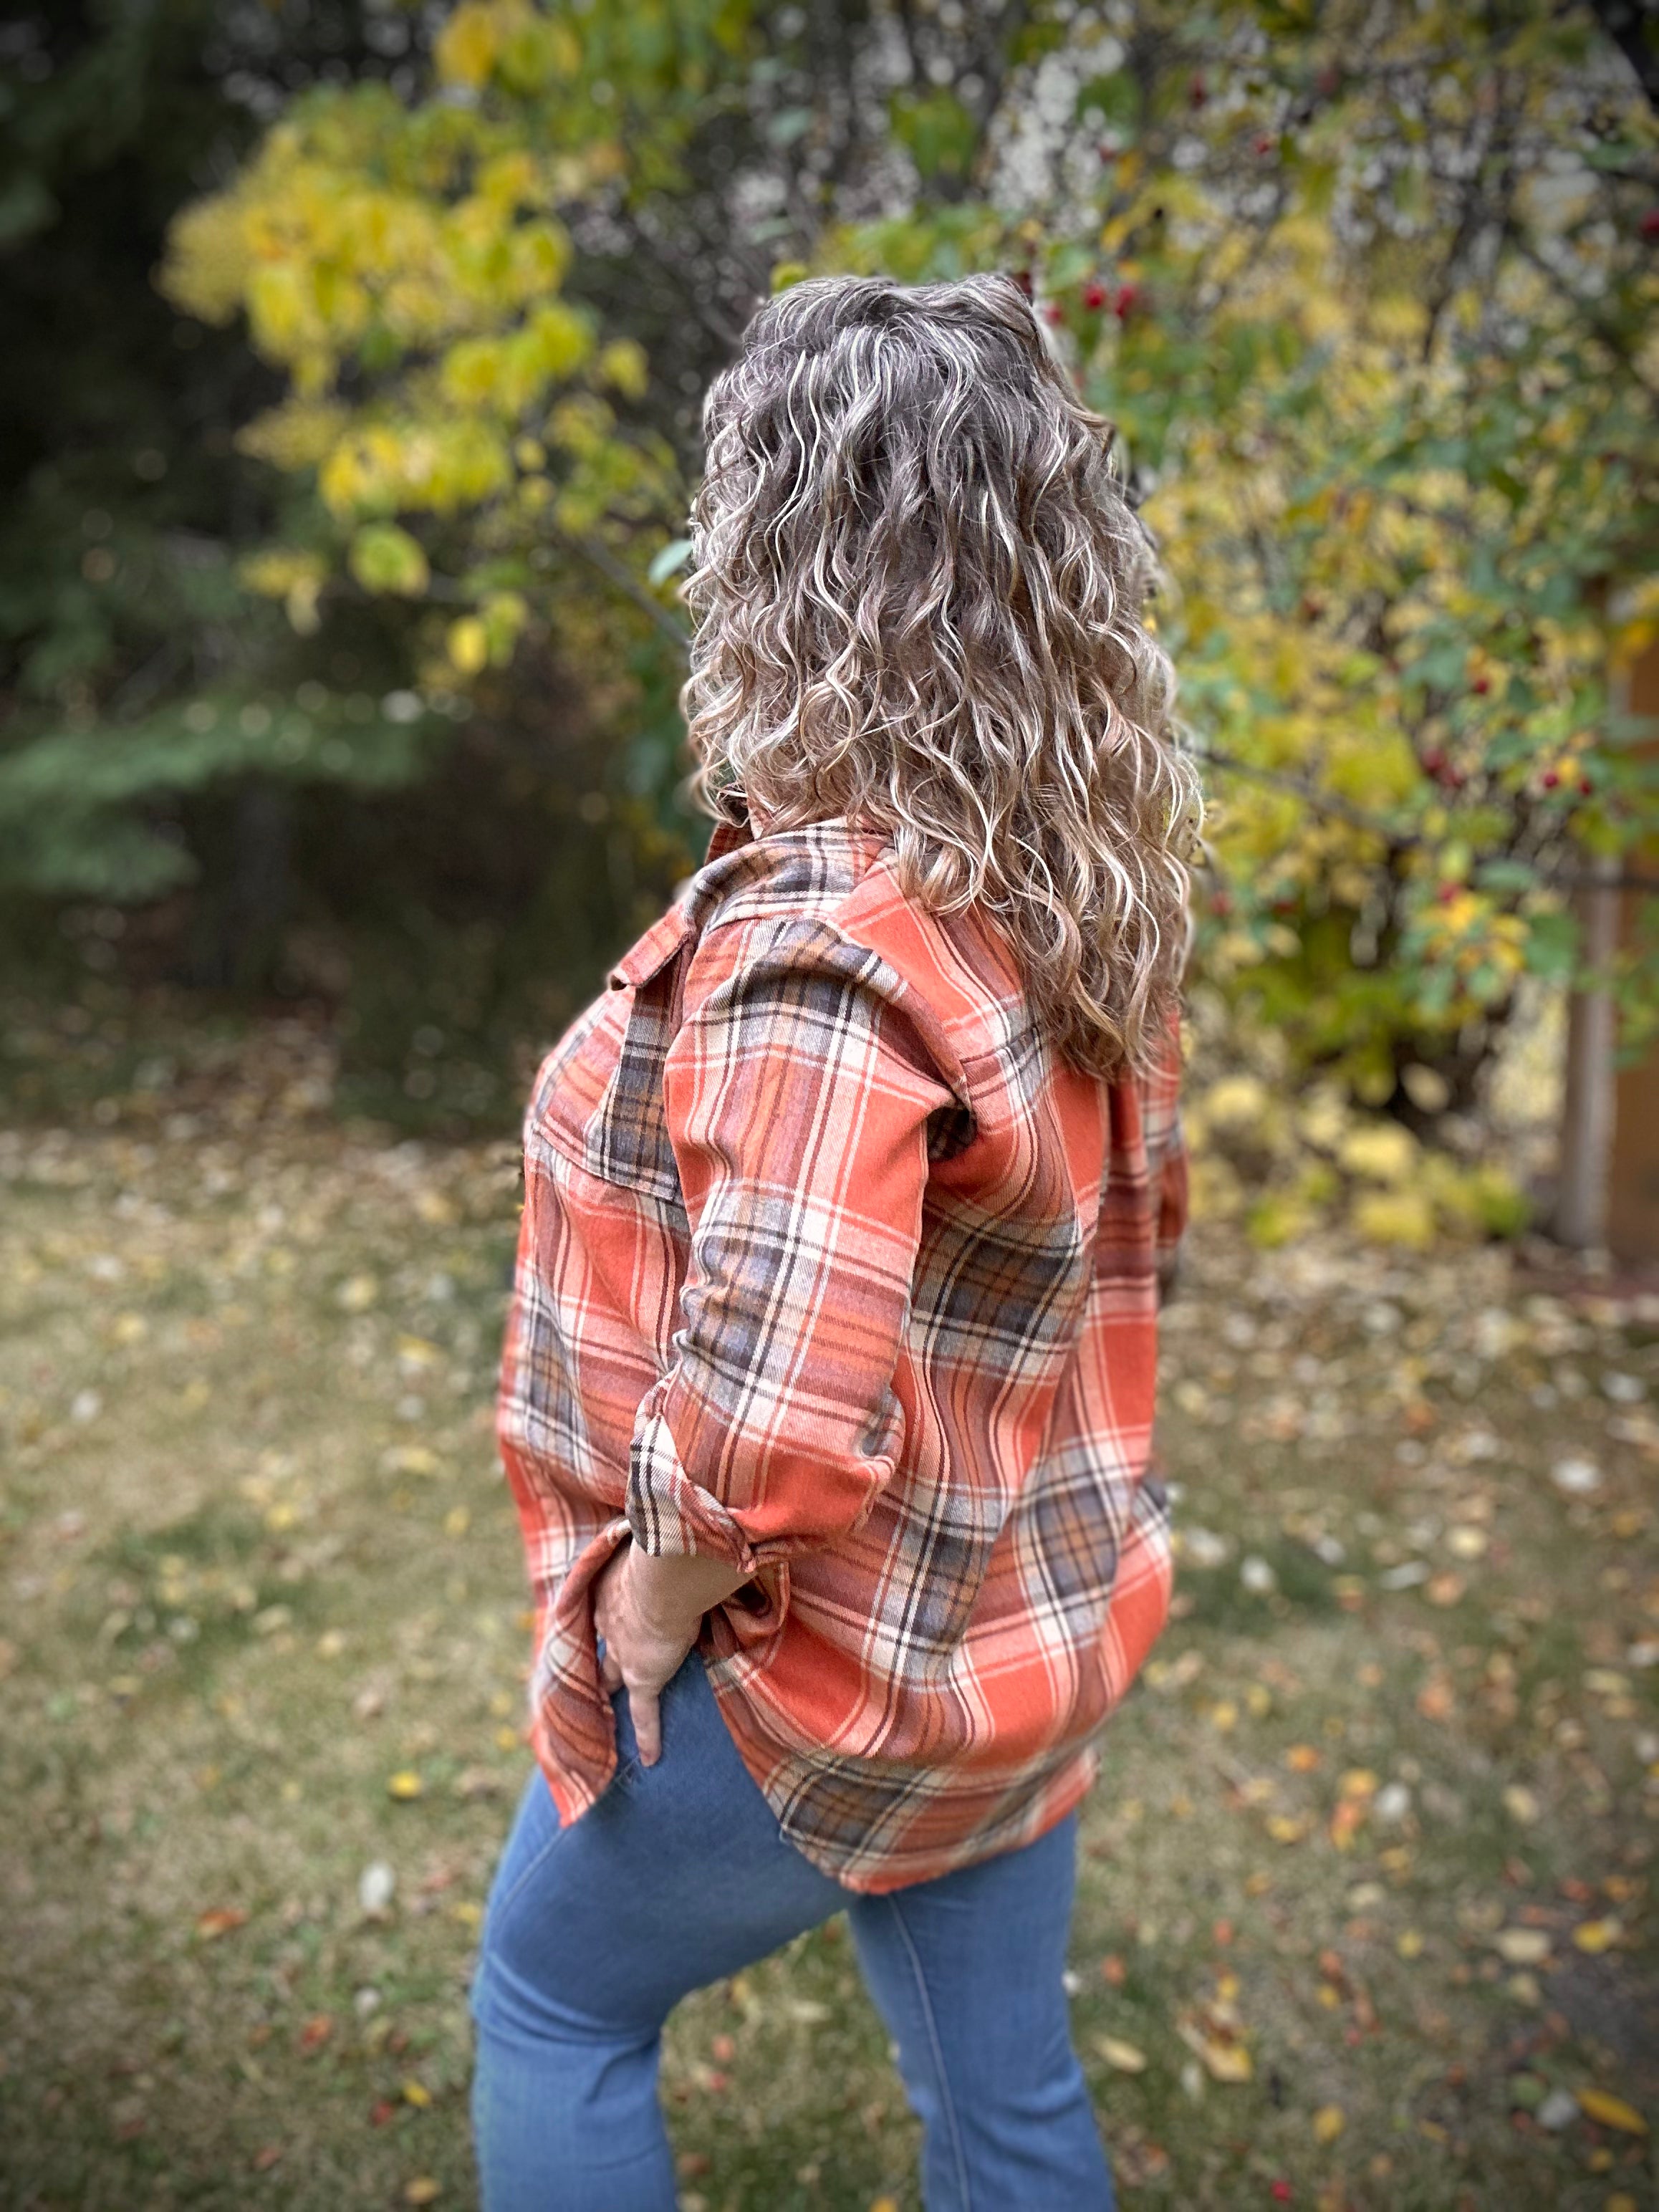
x=653, y=951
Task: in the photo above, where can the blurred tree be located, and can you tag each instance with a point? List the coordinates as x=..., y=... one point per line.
x=191, y=783
x=136, y=676
x=1368, y=292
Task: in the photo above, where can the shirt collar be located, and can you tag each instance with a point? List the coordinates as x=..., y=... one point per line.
x=728, y=837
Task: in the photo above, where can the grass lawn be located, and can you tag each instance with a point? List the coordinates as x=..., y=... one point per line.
x=1365, y=1888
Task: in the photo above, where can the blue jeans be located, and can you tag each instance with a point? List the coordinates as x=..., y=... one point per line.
x=680, y=1875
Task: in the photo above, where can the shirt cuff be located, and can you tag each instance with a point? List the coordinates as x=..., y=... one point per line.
x=670, y=1515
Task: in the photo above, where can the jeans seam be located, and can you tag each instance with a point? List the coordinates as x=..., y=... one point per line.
x=947, y=2101
x=528, y=1873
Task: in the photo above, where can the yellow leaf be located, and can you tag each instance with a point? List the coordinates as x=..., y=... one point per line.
x=1226, y=2062
x=1123, y=2057
x=1223, y=2059
x=417, y=2093
x=623, y=365
x=468, y=644
x=1409, y=1943
x=405, y=1784
x=465, y=52
x=424, y=2190
x=1598, y=1935
x=1611, y=2111
x=1328, y=2123
x=410, y=1459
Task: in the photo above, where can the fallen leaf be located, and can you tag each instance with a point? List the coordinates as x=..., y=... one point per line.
x=1328, y=2123
x=1223, y=2060
x=424, y=2190
x=410, y=1459
x=1598, y=1935
x=210, y=1926
x=1347, y=1819
x=376, y=1886
x=405, y=1784
x=1123, y=2057
x=1521, y=1804
x=1437, y=1700
x=1611, y=2111
x=1302, y=1758
x=265, y=2159
x=1521, y=1947
x=316, y=2031
x=417, y=2093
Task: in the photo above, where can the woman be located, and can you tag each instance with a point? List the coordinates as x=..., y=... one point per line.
x=828, y=1377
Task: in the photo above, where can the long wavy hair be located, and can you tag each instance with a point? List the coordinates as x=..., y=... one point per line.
x=919, y=590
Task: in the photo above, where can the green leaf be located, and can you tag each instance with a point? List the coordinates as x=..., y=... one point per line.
x=384, y=558
x=669, y=559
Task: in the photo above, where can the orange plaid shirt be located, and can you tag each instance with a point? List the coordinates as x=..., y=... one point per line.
x=831, y=1269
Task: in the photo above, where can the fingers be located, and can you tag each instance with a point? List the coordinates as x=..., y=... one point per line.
x=610, y=1672
x=647, y=1724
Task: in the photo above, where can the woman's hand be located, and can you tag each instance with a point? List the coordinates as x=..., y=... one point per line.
x=649, y=1611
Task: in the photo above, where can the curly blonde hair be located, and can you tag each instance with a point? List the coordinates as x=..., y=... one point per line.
x=918, y=587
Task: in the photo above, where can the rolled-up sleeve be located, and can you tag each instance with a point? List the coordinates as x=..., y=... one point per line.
x=799, y=1095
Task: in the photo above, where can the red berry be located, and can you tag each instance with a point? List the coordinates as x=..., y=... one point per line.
x=1022, y=278
x=1053, y=312
x=1221, y=904
x=1447, y=892
x=1434, y=762
x=1094, y=296
x=1650, y=223
x=1126, y=302
x=1586, y=785
x=1196, y=92
x=1264, y=142
x=1281, y=2192
x=1481, y=685
x=1549, y=779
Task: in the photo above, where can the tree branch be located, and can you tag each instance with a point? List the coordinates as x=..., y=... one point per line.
x=600, y=557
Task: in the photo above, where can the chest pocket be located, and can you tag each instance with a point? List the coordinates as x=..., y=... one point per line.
x=626, y=1138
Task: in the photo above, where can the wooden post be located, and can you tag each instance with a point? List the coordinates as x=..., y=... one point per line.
x=1630, y=1218
x=1589, y=1107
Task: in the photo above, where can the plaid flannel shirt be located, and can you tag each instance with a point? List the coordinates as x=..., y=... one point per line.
x=830, y=1268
